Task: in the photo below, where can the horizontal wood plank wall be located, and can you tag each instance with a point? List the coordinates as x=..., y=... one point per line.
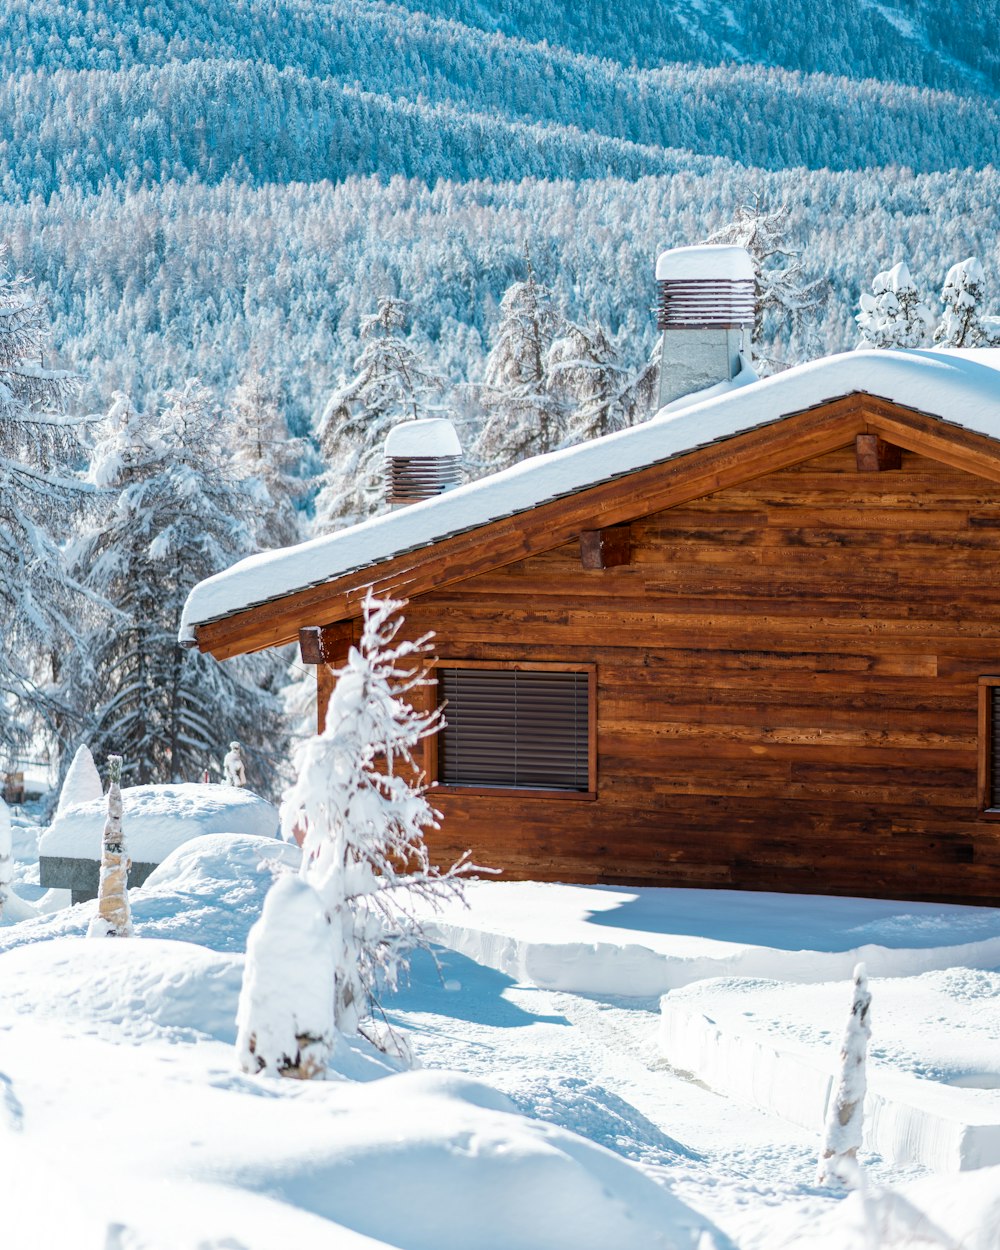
x=786, y=689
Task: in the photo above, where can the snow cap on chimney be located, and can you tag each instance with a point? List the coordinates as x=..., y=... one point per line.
x=423, y=458
x=706, y=306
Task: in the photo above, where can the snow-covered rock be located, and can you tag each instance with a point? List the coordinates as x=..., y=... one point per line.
x=158, y=819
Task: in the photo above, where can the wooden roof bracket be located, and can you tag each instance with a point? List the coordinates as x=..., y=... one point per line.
x=607, y=548
x=874, y=455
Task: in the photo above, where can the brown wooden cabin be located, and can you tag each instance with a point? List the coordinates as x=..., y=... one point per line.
x=769, y=661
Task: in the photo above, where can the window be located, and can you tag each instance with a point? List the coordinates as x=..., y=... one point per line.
x=989, y=747
x=517, y=726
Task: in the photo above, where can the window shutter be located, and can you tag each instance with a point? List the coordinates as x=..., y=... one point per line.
x=994, y=757
x=520, y=728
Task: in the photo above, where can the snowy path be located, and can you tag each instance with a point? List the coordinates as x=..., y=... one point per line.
x=591, y=1065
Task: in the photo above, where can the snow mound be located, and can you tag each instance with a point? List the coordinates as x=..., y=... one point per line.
x=466, y=1173
x=83, y=781
x=126, y=990
x=158, y=819
x=933, y=1092
x=643, y=941
x=210, y=890
x=934, y=1213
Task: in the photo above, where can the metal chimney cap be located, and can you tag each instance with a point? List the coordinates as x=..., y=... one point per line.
x=707, y=262
x=425, y=437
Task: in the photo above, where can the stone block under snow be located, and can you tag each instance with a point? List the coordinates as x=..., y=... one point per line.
x=157, y=820
x=933, y=1069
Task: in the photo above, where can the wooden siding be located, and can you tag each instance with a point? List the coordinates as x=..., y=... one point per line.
x=787, y=688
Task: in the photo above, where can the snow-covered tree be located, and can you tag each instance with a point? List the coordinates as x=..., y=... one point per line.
x=233, y=766
x=114, y=913
x=962, y=322
x=391, y=383
x=894, y=314
x=6, y=855
x=177, y=512
x=266, y=455
x=586, y=372
x=788, y=302
x=524, y=417
x=40, y=608
x=82, y=781
x=844, y=1118
x=361, y=811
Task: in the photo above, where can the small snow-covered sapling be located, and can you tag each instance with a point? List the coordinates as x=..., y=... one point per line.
x=6, y=855
x=845, y=1114
x=114, y=915
x=234, y=767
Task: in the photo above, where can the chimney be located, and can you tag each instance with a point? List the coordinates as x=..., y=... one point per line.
x=706, y=305
x=422, y=458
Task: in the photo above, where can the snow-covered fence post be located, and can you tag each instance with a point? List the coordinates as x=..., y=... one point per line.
x=844, y=1118
x=6, y=855
x=363, y=810
x=114, y=915
x=233, y=766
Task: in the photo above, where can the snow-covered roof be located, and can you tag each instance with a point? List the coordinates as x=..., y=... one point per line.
x=962, y=387
x=709, y=261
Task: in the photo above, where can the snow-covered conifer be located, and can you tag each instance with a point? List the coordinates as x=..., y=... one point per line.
x=114, y=914
x=40, y=609
x=265, y=453
x=82, y=782
x=524, y=416
x=285, y=1015
x=6, y=855
x=894, y=314
x=362, y=812
x=233, y=766
x=176, y=513
x=962, y=323
x=585, y=371
x=844, y=1118
x=788, y=302
x=391, y=383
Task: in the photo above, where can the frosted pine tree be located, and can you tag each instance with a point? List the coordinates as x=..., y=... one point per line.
x=585, y=372
x=267, y=457
x=894, y=314
x=176, y=512
x=233, y=767
x=845, y=1115
x=961, y=323
x=40, y=608
x=6, y=855
x=361, y=810
x=114, y=913
x=391, y=383
x=788, y=302
x=524, y=416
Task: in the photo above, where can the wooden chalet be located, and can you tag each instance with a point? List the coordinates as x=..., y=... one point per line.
x=753, y=644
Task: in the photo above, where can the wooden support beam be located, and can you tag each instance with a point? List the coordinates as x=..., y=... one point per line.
x=326, y=644
x=874, y=455
x=607, y=548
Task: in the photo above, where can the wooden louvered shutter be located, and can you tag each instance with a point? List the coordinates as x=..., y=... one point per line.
x=994, y=751
x=520, y=728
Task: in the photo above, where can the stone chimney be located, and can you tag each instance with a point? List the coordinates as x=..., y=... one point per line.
x=706, y=311
x=422, y=458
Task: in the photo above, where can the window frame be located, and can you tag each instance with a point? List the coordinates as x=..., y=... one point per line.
x=519, y=792
x=985, y=749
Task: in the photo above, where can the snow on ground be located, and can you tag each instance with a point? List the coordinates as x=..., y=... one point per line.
x=933, y=1068
x=645, y=941
x=541, y=1117
x=158, y=819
